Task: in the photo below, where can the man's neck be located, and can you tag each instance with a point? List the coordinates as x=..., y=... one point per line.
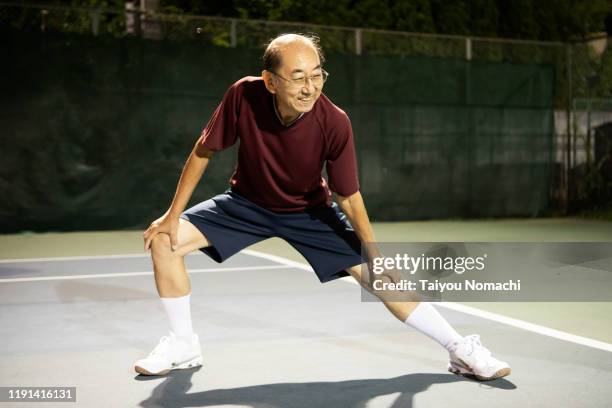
x=286, y=120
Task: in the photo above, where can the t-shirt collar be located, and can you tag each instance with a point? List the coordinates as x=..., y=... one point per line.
x=279, y=117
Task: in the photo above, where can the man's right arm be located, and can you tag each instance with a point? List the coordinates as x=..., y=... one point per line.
x=192, y=173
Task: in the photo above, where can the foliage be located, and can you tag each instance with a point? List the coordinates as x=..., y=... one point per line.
x=553, y=20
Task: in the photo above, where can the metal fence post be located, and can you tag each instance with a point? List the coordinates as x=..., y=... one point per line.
x=468, y=48
x=95, y=22
x=233, y=40
x=358, y=41
x=43, y=23
x=568, y=153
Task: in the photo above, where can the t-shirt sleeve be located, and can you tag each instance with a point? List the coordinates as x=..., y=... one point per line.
x=221, y=130
x=341, y=161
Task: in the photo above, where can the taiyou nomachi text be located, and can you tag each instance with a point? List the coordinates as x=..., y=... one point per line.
x=438, y=286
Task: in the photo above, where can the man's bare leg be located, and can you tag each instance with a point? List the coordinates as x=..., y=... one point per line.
x=401, y=310
x=182, y=349
x=171, y=278
x=421, y=316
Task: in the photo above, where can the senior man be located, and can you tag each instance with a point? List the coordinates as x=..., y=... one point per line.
x=288, y=130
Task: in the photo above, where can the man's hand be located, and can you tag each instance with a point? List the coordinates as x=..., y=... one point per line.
x=168, y=224
x=387, y=275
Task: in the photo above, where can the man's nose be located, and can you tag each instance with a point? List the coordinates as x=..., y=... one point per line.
x=308, y=87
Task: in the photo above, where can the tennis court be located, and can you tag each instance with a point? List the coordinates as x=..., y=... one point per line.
x=272, y=335
x=481, y=123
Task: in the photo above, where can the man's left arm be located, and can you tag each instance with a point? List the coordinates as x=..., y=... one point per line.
x=354, y=209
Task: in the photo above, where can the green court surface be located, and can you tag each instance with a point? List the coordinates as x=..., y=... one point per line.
x=588, y=319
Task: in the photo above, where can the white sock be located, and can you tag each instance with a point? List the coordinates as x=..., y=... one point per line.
x=179, y=313
x=426, y=319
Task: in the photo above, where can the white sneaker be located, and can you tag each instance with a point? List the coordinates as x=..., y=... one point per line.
x=469, y=357
x=171, y=354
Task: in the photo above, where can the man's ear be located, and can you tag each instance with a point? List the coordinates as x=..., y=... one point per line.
x=269, y=81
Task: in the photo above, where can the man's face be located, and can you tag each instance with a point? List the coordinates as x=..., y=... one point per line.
x=296, y=93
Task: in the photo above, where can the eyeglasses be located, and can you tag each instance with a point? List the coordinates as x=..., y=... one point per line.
x=317, y=80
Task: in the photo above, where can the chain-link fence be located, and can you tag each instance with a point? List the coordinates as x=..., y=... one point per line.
x=582, y=69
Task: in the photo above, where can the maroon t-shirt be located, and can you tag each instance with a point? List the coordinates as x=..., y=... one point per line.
x=279, y=167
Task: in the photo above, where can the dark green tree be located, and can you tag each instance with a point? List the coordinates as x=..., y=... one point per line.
x=484, y=18
x=451, y=16
x=517, y=19
x=557, y=20
x=413, y=15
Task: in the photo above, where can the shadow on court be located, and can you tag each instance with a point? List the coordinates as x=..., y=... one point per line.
x=352, y=393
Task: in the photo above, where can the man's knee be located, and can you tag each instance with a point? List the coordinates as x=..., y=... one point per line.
x=160, y=246
x=356, y=273
x=368, y=282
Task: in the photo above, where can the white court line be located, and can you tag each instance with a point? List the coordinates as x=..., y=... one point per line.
x=532, y=327
x=279, y=259
x=77, y=258
x=123, y=274
x=509, y=321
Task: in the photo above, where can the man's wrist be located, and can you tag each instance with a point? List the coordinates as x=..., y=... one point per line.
x=174, y=212
x=372, y=251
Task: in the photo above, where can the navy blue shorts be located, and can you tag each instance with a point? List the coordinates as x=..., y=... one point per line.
x=322, y=235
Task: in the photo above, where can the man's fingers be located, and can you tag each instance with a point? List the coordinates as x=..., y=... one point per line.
x=147, y=244
x=173, y=240
x=391, y=276
x=144, y=237
x=148, y=236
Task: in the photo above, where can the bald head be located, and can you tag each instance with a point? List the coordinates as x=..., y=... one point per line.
x=273, y=56
x=293, y=74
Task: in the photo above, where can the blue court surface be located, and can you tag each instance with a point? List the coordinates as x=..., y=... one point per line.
x=273, y=336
